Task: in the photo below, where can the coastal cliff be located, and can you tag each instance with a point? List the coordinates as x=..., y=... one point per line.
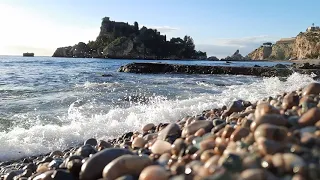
x=122, y=40
x=306, y=45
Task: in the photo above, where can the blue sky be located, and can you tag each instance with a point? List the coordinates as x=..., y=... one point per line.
x=219, y=27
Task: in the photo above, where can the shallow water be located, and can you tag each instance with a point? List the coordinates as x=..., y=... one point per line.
x=53, y=103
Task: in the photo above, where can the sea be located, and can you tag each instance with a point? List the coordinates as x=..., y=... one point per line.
x=54, y=103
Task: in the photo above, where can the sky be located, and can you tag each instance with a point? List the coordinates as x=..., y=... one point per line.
x=218, y=27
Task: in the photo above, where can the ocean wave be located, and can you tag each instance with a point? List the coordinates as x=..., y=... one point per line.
x=78, y=126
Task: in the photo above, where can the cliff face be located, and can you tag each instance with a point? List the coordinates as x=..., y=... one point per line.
x=308, y=45
x=282, y=51
x=261, y=53
x=305, y=46
x=122, y=40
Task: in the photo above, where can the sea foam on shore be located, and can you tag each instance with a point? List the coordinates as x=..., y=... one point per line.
x=38, y=139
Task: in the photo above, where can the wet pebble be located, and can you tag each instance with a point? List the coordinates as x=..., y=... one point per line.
x=126, y=165
x=154, y=172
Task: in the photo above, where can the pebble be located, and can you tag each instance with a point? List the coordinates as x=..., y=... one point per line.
x=154, y=172
x=288, y=162
x=160, y=147
x=274, y=119
x=126, y=165
x=239, y=133
x=56, y=153
x=93, y=167
x=310, y=118
x=265, y=108
x=290, y=100
x=171, y=129
x=195, y=126
x=274, y=138
x=91, y=141
x=271, y=132
x=148, y=127
x=313, y=88
x=138, y=142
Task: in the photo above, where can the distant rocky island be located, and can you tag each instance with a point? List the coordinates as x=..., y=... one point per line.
x=121, y=40
x=306, y=45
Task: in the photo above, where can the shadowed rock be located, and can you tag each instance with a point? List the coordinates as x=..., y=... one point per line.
x=154, y=68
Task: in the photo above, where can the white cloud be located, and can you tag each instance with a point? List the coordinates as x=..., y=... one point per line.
x=163, y=29
x=227, y=46
x=25, y=31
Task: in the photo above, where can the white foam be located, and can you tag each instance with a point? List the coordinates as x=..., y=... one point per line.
x=20, y=142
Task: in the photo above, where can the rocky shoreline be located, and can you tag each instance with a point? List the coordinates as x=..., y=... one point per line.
x=274, y=138
x=278, y=70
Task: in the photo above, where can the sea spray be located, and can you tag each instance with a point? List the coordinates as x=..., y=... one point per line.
x=78, y=125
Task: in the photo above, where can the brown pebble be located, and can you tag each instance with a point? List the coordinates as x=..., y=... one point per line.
x=154, y=172
x=171, y=129
x=43, y=167
x=93, y=167
x=149, y=137
x=271, y=132
x=207, y=154
x=103, y=144
x=44, y=176
x=310, y=118
x=138, y=142
x=265, y=108
x=207, y=144
x=200, y=132
x=253, y=174
x=56, y=153
x=290, y=100
x=212, y=162
x=239, y=133
x=177, y=146
x=126, y=164
x=195, y=126
x=274, y=119
x=288, y=162
x=148, y=127
x=160, y=147
x=228, y=130
x=313, y=88
x=267, y=146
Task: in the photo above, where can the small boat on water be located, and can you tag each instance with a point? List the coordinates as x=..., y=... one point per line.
x=28, y=54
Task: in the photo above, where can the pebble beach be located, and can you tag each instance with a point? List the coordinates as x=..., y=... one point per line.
x=273, y=138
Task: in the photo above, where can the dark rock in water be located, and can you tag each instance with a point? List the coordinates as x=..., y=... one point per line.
x=106, y=75
x=213, y=58
x=93, y=167
x=280, y=66
x=153, y=68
